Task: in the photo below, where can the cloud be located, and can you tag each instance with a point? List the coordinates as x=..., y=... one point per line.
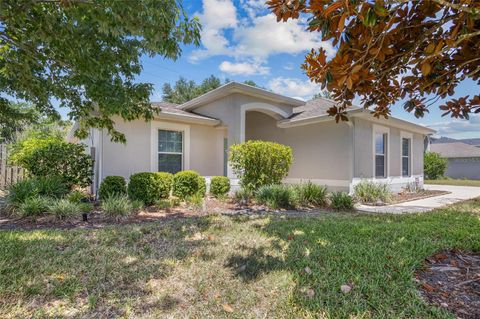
x=255, y=37
x=288, y=66
x=303, y=89
x=452, y=127
x=243, y=68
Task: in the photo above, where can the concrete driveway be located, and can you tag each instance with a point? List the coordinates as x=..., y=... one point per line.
x=457, y=193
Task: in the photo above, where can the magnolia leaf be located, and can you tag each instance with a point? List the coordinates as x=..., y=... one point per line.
x=426, y=68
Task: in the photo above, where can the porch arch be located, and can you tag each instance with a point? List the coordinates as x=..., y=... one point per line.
x=274, y=111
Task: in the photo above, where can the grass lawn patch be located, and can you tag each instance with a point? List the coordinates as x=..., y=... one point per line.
x=454, y=182
x=233, y=267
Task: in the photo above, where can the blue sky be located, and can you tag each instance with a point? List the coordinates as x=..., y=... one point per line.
x=241, y=40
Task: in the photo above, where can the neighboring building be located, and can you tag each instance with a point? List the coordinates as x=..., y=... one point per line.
x=463, y=159
x=197, y=134
x=472, y=141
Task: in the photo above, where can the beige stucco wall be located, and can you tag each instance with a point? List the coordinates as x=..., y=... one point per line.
x=321, y=151
x=205, y=154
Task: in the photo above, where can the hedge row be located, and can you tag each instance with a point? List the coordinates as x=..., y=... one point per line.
x=149, y=187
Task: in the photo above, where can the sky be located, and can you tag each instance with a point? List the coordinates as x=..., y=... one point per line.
x=241, y=40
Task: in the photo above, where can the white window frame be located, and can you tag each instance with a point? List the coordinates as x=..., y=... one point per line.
x=378, y=129
x=409, y=136
x=156, y=126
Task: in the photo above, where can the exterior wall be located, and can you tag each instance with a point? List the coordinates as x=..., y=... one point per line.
x=139, y=154
x=322, y=152
x=364, y=154
x=468, y=167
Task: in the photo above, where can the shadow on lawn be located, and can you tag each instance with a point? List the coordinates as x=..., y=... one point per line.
x=92, y=271
x=376, y=255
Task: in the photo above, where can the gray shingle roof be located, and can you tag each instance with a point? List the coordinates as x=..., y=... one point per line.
x=457, y=149
x=175, y=109
x=314, y=108
x=471, y=141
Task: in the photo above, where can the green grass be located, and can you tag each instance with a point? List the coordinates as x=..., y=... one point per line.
x=455, y=182
x=196, y=267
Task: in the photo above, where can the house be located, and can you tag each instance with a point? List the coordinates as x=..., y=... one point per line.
x=463, y=159
x=197, y=135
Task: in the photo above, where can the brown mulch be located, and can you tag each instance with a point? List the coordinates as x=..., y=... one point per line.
x=406, y=197
x=451, y=280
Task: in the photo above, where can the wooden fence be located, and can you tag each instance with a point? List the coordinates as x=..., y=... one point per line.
x=8, y=174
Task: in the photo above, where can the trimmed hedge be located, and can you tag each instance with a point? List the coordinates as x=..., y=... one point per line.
x=148, y=187
x=219, y=186
x=112, y=186
x=185, y=184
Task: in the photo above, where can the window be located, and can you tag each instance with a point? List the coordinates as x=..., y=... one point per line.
x=406, y=156
x=170, y=151
x=380, y=154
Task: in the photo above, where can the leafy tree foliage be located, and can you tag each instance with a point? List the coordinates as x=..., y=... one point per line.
x=184, y=90
x=393, y=50
x=86, y=54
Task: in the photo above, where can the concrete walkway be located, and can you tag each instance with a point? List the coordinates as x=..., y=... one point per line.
x=457, y=193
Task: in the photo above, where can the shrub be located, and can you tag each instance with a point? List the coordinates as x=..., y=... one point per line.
x=435, y=165
x=34, y=206
x=119, y=206
x=112, y=186
x=202, y=186
x=52, y=186
x=57, y=157
x=276, y=196
x=219, y=186
x=368, y=192
x=148, y=187
x=185, y=184
x=309, y=194
x=341, y=201
x=63, y=208
x=259, y=163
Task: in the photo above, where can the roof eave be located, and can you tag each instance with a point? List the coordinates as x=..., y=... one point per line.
x=165, y=115
x=311, y=120
x=234, y=87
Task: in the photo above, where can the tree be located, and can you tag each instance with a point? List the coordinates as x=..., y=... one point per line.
x=15, y=118
x=86, y=54
x=184, y=90
x=393, y=50
x=322, y=94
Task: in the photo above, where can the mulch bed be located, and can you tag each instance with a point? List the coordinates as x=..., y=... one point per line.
x=451, y=280
x=406, y=197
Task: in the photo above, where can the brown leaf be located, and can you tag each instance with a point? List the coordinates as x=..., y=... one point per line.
x=426, y=68
x=349, y=83
x=341, y=23
x=227, y=308
x=332, y=8
x=427, y=287
x=356, y=68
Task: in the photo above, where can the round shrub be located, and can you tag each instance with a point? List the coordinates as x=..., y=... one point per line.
x=185, y=184
x=148, y=187
x=219, y=186
x=112, y=186
x=57, y=157
x=434, y=165
x=259, y=163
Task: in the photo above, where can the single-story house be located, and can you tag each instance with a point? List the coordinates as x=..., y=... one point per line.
x=197, y=134
x=463, y=159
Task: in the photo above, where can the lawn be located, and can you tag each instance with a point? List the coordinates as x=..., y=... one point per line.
x=455, y=182
x=232, y=267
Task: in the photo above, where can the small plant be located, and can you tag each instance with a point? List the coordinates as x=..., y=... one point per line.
x=76, y=196
x=195, y=201
x=34, y=206
x=341, y=201
x=185, y=184
x=112, y=186
x=219, y=186
x=259, y=163
x=202, y=186
x=119, y=207
x=309, y=194
x=435, y=165
x=412, y=188
x=21, y=191
x=63, y=208
x=368, y=192
x=51, y=186
x=163, y=203
x=276, y=196
x=149, y=187
x=243, y=195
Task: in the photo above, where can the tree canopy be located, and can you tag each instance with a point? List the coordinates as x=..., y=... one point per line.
x=388, y=51
x=184, y=90
x=85, y=54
